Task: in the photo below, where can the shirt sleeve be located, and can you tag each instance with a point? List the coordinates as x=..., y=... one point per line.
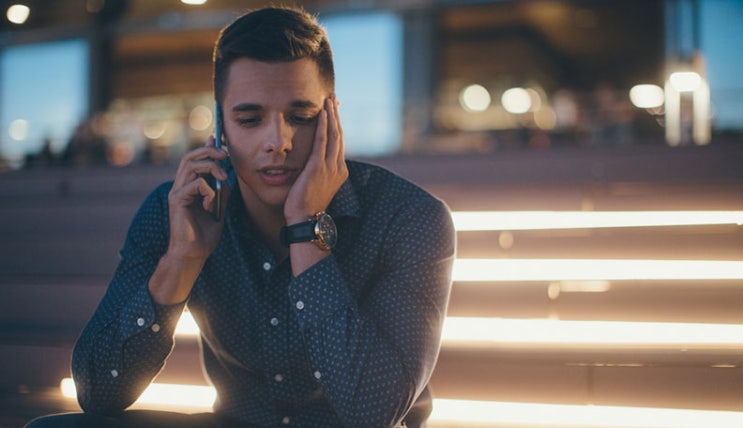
x=373, y=357
x=125, y=343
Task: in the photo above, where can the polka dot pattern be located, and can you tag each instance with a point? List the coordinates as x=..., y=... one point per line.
x=352, y=341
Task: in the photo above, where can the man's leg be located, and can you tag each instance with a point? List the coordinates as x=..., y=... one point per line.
x=74, y=420
x=134, y=419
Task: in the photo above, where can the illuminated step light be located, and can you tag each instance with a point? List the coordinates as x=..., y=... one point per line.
x=514, y=270
x=545, y=220
x=465, y=413
x=503, y=331
x=187, y=325
x=461, y=413
x=484, y=332
x=192, y=397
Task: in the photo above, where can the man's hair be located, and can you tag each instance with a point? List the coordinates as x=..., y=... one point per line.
x=273, y=34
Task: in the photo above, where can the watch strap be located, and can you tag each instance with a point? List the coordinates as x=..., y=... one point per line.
x=299, y=232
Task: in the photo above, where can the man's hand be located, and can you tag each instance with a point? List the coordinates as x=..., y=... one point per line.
x=324, y=172
x=319, y=181
x=194, y=233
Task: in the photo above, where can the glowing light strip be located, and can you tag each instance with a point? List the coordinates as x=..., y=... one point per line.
x=464, y=413
x=196, y=397
x=461, y=413
x=543, y=220
x=473, y=270
x=546, y=332
x=187, y=325
x=541, y=332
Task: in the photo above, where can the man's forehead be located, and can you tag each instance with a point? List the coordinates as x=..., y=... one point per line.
x=295, y=81
x=301, y=71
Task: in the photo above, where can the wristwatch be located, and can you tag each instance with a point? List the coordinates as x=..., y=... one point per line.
x=319, y=229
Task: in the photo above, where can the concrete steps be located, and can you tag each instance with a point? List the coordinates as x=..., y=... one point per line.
x=62, y=229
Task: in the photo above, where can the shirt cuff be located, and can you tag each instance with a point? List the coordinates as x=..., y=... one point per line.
x=141, y=313
x=319, y=292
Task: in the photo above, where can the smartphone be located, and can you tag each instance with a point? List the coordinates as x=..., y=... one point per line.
x=218, y=138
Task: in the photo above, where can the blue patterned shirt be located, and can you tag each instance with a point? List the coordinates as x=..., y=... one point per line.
x=352, y=341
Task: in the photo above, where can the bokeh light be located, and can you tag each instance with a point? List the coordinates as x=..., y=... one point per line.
x=200, y=118
x=685, y=81
x=646, y=96
x=475, y=98
x=516, y=100
x=18, y=13
x=18, y=129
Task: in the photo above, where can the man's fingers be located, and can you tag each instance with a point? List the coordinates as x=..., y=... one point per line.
x=336, y=142
x=206, y=152
x=211, y=142
x=200, y=161
x=194, y=192
x=208, y=167
x=321, y=136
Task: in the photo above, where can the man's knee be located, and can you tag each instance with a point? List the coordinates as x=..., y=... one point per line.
x=72, y=420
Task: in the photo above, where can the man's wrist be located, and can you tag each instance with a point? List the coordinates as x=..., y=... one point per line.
x=173, y=278
x=297, y=218
x=319, y=229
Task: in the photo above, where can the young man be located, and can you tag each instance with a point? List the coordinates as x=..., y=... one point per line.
x=320, y=295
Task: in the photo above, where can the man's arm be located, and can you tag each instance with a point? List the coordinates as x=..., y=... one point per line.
x=131, y=333
x=373, y=358
x=320, y=180
x=126, y=341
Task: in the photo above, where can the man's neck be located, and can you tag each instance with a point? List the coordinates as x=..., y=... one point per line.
x=268, y=221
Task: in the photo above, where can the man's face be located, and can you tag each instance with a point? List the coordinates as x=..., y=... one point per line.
x=270, y=118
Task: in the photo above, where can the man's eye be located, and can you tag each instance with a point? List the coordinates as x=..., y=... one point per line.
x=248, y=121
x=303, y=119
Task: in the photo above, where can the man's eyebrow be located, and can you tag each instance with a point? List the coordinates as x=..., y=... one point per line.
x=304, y=104
x=247, y=107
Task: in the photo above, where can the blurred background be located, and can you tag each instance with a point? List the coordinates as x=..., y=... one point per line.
x=591, y=152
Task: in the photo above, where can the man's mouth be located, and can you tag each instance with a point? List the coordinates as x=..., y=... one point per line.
x=277, y=176
x=278, y=171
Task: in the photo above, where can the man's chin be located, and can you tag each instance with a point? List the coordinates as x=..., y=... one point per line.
x=270, y=198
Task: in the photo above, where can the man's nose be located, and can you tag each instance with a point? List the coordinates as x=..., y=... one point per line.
x=280, y=135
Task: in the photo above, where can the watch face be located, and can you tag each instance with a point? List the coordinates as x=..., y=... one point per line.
x=326, y=231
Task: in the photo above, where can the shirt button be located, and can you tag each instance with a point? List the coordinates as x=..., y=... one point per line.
x=285, y=420
x=300, y=305
x=267, y=266
x=155, y=327
x=140, y=322
x=278, y=377
x=274, y=322
x=114, y=373
x=318, y=375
